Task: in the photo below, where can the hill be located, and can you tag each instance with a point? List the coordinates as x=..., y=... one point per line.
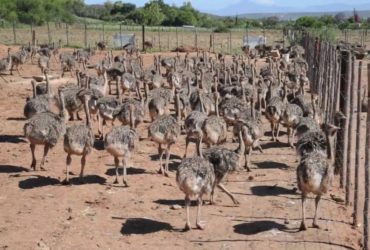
x=296, y=15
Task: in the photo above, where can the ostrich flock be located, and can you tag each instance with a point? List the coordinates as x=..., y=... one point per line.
x=211, y=95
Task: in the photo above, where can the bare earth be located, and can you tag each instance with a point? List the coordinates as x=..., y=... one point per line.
x=37, y=212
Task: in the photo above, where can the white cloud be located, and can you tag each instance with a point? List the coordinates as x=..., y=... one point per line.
x=265, y=2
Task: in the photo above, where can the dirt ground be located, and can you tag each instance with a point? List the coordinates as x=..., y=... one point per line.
x=37, y=212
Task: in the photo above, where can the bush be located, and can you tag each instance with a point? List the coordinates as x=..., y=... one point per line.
x=221, y=29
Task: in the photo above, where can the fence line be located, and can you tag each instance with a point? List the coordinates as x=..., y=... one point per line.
x=332, y=73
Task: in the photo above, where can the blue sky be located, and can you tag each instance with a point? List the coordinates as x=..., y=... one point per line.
x=259, y=5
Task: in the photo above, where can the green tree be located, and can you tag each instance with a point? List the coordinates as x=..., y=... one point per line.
x=152, y=14
x=308, y=22
x=270, y=21
x=8, y=10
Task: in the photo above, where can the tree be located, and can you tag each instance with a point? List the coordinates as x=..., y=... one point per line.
x=308, y=22
x=152, y=14
x=328, y=20
x=270, y=21
x=340, y=17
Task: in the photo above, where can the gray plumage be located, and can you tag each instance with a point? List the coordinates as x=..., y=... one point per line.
x=274, y=111
x=249, y=132
x=120, y=143
x=36, y=104
x=67, y=63
x=290, y=118
x=195, y=177
x=123, y=113
x=45, y=129
x=193, y=126
x=18, y=58
x=157, y=101
x=224, y=161
x=43, y=63
x=312, y=141
x=306, y=124
x=305, y=103
x=6, y=63
x=315, y=170
x=232, y=108
x=165, y=130
x=79, y=139
x=73, y=104
x=214, y=130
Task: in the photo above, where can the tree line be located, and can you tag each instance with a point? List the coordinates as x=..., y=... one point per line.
x=157, y=13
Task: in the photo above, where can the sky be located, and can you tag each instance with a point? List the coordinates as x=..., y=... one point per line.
x=217, y=6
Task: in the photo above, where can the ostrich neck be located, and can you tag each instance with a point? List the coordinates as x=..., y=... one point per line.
x=132, y=122
x=33, y=89
x=330, y=149
x=87, y=112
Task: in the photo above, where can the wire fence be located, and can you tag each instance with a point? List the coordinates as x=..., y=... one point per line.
x=162, y=38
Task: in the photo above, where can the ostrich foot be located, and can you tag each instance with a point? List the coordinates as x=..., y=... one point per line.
x=302, y=227
x=200, y=225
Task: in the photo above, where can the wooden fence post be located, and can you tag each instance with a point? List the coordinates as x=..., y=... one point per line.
x=120, y=35
x=33, y=37
x=142, y=36
x=49, y=35
x=85, y=34
x=196, y=39
x=159, y=38
x=367, y=170
x=213, y=42
x=67, y=34
x=168, y=40
x=350, y=119
x=230, y=44
x=182, y=36
x=177, y=39
x=342, y=142
x=358, y=144
x=14, y=34
x=103, y=30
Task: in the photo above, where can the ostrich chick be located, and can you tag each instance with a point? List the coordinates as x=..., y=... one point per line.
x=195, y=177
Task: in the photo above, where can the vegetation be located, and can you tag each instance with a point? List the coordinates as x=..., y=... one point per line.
x=39, y=11
x=157, y=12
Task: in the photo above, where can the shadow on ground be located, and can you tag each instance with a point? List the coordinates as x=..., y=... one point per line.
x=130, y=171
x=12, y=139
x=143, y=226
x=255, y=227
x=180, y=202
x=38, y=181
x=270, y=190
x=12, y=169
x=87, y=179
x=271, y=165
x=16, y=119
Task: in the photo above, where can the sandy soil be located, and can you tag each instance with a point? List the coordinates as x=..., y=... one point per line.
x=37, y=212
